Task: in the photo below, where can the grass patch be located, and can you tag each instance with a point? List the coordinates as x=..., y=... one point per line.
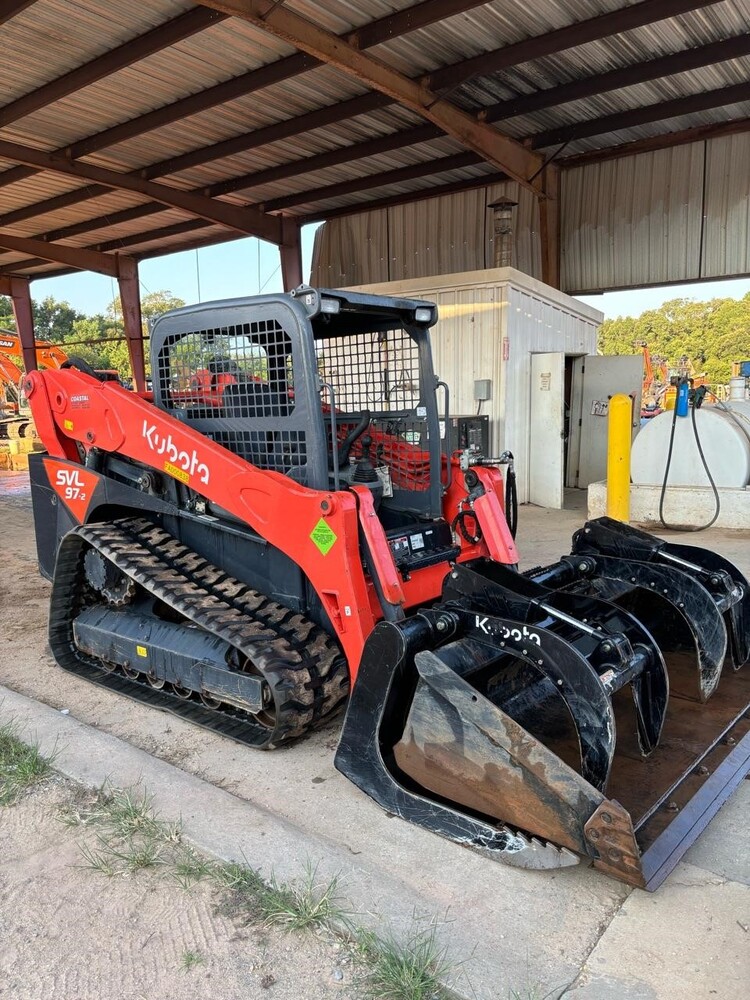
x=410, y=970
x=130, y=837
x=311, y=903
x=189, y=867
x=190, y=959
x=21, y=764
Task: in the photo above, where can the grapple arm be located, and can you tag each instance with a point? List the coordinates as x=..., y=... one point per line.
x=500, y=719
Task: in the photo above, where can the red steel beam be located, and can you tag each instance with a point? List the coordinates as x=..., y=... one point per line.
x=699, y=133
x=291, y=256
x=660, y=111
x=381, y=30
x=377, y=31
x=158, y=38
x=247, y=220
x=9, y=9
x=625, y=76
x=130, y=301
x=78, y=257
x=404, y=199
x=425, y=168
x=491, y=145
x=344, y=154
x=20, y=291
x=571, y=36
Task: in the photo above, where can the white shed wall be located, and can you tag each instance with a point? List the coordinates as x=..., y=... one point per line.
x=484, y=314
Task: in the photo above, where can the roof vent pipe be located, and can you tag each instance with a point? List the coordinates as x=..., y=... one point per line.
x=502, y=210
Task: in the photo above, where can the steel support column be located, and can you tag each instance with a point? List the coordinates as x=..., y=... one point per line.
x=130, y=300
x=549, y=225
x=291, y=254
x=20, y=293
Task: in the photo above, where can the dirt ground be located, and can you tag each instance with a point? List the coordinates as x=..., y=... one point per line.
x=93, y=934
x=71, y=933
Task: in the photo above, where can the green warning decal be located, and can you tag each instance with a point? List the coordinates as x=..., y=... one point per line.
x=323, y=536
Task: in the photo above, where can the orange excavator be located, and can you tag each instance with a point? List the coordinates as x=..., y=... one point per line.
x=48, y=355
x=15, y=414
x=655, y=381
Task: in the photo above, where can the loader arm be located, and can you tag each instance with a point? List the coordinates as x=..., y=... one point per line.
x=70, y=407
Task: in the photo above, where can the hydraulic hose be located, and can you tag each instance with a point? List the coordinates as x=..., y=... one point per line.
x=717, y=508
x=511, y=497
x=459, y=524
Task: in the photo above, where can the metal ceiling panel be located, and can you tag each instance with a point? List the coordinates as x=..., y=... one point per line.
x=73, y=32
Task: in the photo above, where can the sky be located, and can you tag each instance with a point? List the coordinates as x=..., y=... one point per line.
x=249, y=266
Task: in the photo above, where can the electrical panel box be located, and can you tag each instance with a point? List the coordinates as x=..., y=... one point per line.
x=482, y=389
x=468, y=432
x=745, y=369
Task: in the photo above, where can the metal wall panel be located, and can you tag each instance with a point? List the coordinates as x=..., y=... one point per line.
x=632, y=221
x=726, y=234
x=447, y=235
x=672, y=215
x=351, y=252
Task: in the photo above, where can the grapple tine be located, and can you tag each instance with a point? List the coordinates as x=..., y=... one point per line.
x=374, y=722
x=737, y=617
x=569, y=674
x=711, y=595
x=616, y=635
x=693, y=605
x=460, y=719
x=650, y=688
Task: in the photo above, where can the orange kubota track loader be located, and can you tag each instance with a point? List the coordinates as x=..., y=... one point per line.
x=279, y=529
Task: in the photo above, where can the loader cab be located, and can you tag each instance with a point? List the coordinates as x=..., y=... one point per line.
x=293, y=382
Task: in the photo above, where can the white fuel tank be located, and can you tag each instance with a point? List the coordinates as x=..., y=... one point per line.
x=725, y=441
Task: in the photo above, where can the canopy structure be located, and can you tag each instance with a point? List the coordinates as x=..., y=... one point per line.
x=129, y=131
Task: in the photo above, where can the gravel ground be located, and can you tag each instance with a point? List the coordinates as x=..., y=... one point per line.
x=68, y=932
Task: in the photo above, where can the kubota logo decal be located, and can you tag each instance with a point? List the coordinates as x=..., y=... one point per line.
x=514, y=634
x=180, y=464
x=74, y=485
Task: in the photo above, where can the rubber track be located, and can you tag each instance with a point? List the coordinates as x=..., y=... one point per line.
x=303, y=665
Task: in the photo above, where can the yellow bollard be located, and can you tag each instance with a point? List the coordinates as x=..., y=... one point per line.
x=619, y=436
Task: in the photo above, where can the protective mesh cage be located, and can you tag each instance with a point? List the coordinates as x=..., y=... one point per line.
x=222, y=378
x=380, y=372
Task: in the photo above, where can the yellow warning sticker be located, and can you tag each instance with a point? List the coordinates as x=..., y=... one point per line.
x=68, y=425
x=177, y=473
x=141, y=650
x=323, y=537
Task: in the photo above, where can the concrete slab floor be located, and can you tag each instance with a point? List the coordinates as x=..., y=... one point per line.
x=513, y=929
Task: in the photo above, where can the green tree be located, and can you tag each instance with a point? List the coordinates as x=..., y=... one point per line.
x=709, y=335
x=7, y=319
x=152, y=305
x=54, y=320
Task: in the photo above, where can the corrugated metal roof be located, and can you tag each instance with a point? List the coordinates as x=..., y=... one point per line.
x=53, y=37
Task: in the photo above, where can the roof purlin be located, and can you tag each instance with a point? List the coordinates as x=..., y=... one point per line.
x=138, y=48
x=244, y=219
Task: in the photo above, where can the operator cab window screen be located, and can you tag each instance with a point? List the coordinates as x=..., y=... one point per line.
x=379, y=372
x=231, y=372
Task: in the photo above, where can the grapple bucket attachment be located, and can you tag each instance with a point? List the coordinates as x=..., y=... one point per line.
x=581, y=710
